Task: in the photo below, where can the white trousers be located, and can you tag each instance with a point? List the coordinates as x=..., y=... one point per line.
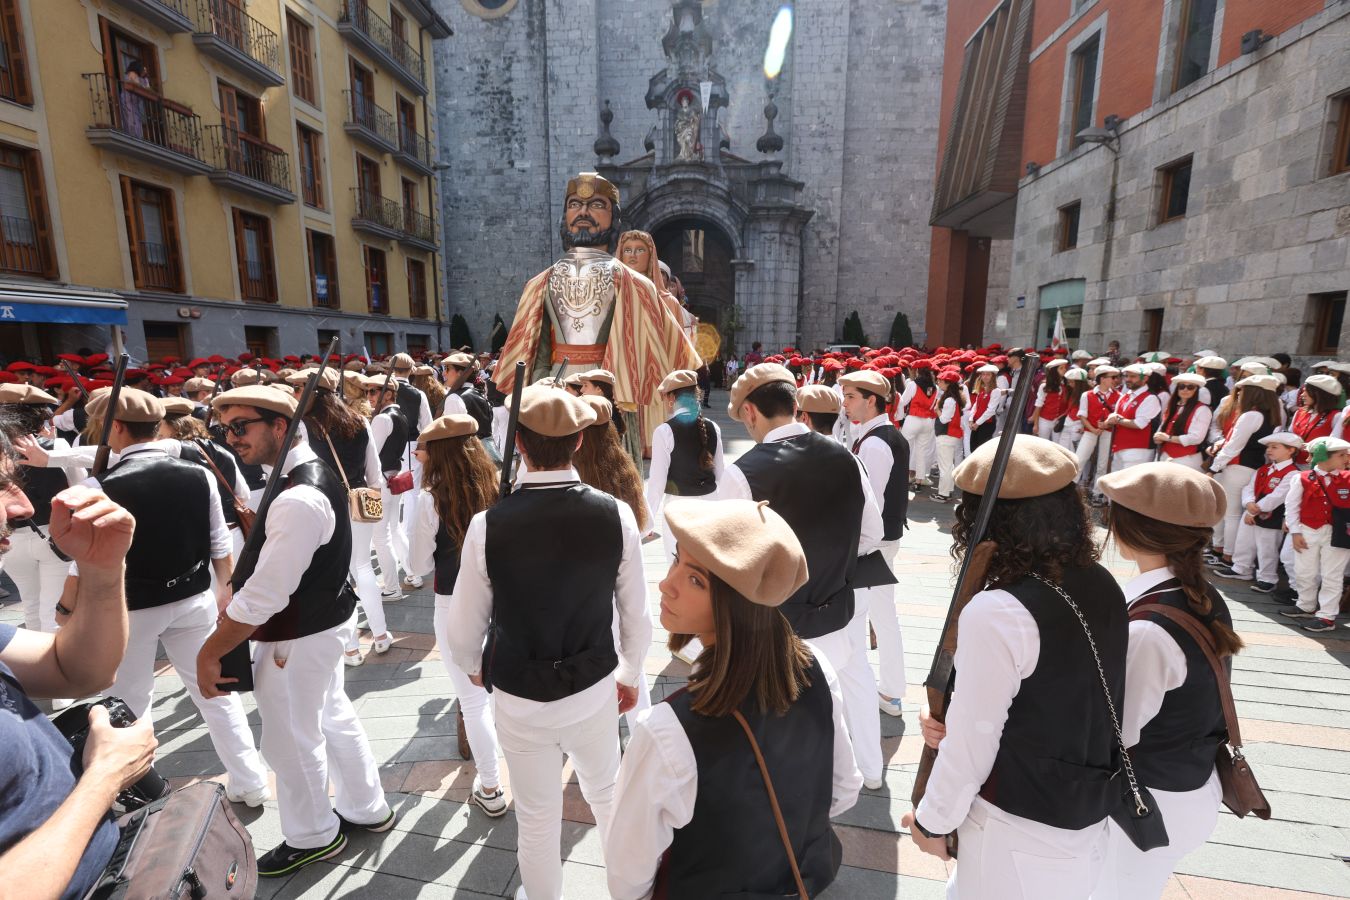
x=367, y=590
x=182, y=627
x=500, y=416
x=1132, y=874
x=1045, y=428
x=535, y=755
x=474, y=702
x=39, y=574
x=1258, y=551
x=1094, y=459
x=311, y=735
x=879, y=602
x=1070, y=435
x=1124, y=459
x=1000, y=861
x=922, y=445
x=390, y=540
x=846, y=649
x=1319, y=571
x=947, y=450
x=1287, y=554
x=1233, y=479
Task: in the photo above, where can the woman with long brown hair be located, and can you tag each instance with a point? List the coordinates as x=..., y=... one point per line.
x=1161, y=517
x=458, y=481
x=600, y=383
x=602, y=463
x=692, y=814
x=1185, y=423
x=1239, y=453
x=424, y=379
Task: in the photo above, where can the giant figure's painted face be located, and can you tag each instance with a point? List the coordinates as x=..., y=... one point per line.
x=587, y=219
x=635, y=254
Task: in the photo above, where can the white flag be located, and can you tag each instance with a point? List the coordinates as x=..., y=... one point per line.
x=1061, y=337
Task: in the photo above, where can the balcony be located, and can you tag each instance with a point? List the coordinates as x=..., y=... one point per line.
x=135, y=122
x=377, y=215
x=174, y=16
x=249, y=165
x=414, y=151
x=418, y=231
x=224, y=32
x=364, y=28
x=370, y=123
x=158, y=269
x=22, y=250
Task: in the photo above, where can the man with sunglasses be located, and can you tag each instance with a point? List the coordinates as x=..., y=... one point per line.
x=295, y=607
x=464, y=397
x=1130, y=423
x=1094, y=448
x=389, y=429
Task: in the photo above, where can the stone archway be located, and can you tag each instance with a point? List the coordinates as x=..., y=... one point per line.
x=699, y=253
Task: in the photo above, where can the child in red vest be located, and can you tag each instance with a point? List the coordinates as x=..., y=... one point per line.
x=1263, y=500
x=1317, y=499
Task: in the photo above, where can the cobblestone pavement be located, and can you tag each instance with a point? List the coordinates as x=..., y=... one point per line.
x=1292, y=689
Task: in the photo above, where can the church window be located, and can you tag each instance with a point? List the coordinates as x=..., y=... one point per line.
x=489, y=9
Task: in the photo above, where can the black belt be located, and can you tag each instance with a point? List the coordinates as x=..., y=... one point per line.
x=197, y=567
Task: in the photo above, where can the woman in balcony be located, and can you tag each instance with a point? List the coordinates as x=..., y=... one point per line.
x=134, y=79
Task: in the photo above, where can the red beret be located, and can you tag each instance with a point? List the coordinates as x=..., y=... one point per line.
x=198, y=362
x=45, y=370
x=949, y=375
x=71, y=358
x=922, y=364
x=97, y=359
x=20, y=367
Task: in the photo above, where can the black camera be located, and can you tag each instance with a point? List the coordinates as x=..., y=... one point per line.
x=73, y=723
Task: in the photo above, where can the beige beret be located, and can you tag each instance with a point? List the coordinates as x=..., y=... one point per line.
x=1167, y=492
x=549, y=381
x=401, y=361
x=1328, y=383
x=744, y=543
x=573, y=381
x=1076, y=374
x=551, y=412
x=424, y=370
x=353, y=365
x=817, y=398
x=281, y=374
x=375, y=382
x=176, y=406
x=1036, y=467
x=329, y=381
x=1287, y=438
x=246, y=377
x=678, y=380
x=132, y=405
x=598, y=375
x=27, y=395
x=463, y=360
x=289, y=390
x=257, y=395
x=604, y=410
x=869, y=380
x=453, y=425
x=756, y=377
x=199, y=384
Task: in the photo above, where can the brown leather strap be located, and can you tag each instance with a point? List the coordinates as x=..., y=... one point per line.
x=338, y=462
x=229, y=488
x=1205, y=640
x=773, y=804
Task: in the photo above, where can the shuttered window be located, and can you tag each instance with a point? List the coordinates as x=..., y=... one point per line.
x=14, y=83
x=152, y=236
x=253, y=249
x=323, y=269
x=417, y=289
x=301, y=39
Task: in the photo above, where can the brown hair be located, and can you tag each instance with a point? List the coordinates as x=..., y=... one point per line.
x=461, y=480
x=1255, y=399
x=756, y=654
x=546, y=452
x=354, y=395
x=434, y=390
x=333, y=416
x=705, y=429
x=1322, y=401
x=1045, y=535
x=1183, y=548
x=1228, y=407
x=602, y=463
x=186, y=427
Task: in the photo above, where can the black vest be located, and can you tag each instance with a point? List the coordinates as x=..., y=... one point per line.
x=685, y=477
x=1253, y=454
x=351, y=452
x=322, y=600
x=396, y=444
x=409, y=400
x=1058, y=760
x=170, y=555
x=895, y=499
x=225, y=462
x=812, y=482
x=1176, y=747
x=446, y=556
x=81, y=419
x=1218, y=389
x=731, y=847
x=552, y=599
x=478, y=407
x=40, y=485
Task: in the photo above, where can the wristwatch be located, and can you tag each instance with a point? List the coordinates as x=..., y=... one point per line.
x=925, y=832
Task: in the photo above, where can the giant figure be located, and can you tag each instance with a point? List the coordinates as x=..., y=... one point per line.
x=595, y=312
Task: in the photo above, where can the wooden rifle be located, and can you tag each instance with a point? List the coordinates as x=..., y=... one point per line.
x=970, y=581
x=237, y=663
x=110, y=413
x=75, y=377
x=509, y=450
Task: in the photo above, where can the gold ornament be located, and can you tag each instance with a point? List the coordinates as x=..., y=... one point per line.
x=587, y=184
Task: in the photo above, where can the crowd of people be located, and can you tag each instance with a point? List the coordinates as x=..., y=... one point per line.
x=779, y=562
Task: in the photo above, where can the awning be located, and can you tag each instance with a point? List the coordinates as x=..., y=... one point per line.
x=61, y=307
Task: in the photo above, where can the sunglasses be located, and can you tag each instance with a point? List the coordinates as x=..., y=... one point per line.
x=1187, y=387
x=239, y=426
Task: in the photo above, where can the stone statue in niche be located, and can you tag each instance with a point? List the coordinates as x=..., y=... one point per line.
x=687, y=121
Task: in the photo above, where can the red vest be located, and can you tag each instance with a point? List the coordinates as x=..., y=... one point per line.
x=1075, y=410
x=1053, y=405
x=1309, y=425
x=1267, y=479
x=1175, y=450
x=1099, y=408
x=922, y=404
x=1130, y=438
x=981, y=404
x=954, y=427
x=1315, y=512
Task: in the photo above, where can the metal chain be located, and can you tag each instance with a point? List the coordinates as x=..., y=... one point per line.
x=1141, y=808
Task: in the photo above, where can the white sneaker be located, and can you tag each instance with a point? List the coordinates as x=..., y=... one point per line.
x=353, y=658
x=382, y=645
x=893, y=706
x=493, y=804
x=413, y=581
x=391, y=596
x=873, y=784
x=252, y=799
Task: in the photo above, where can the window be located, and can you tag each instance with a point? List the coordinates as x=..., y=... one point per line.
x=1176, y=190
x=489, y=9
x=311, y=166
x=326, y=336
x=1340, y=162
x=379, y=343
x=409, y=195
x=121, y=50
x=1067, y=236
x=253, y=251
x=418, y=343
x=407, y=125
x=323, y=270
x=363, y=95
x=242, y=113
x=1153, y=322
x=417, y=289
x=397, y=24
x=14, y=83
x=1329, y=312
x=261, y=340
x=1060, y=301
x=1195, y=37
x=301, y=39
x=164, y=339
x=152, y=236
x=1084, y=73
x=25, y=239
x=377, y=282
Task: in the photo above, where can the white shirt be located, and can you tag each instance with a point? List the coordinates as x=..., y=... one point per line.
x=733, y=486
x=876, y=456
x=422, y=529
x=948, y=411
x=1149, y=408
x=454, y=405
x=1247, y=425
x=663, y=443
x=471, y=610
x=299, y=521
x=906, y=395
x=1198, y=429
x=658, y=786
x=1275, y=499
x=1154, y=663
x=1293, y=501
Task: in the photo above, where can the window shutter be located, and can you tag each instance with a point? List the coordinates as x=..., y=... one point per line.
x=240, y=250
x=18, y=58
x=37, y=210
x=169, y=210
x=268, y=258
x=133, y=218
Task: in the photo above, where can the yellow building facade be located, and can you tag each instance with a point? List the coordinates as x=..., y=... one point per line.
x=242, y=173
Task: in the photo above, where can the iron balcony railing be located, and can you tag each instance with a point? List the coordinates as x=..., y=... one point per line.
x=159, y=266
x=410, y=143
x=21, y=251
x=256, y=284
x=243, y=154
x=369, y=23
x=309, y=186
x=367, y=115
x=418, y=226
x=378, y=210
x=144, y=115
x=227, y=20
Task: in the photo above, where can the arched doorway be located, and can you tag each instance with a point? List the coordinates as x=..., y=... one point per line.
x=699, y=253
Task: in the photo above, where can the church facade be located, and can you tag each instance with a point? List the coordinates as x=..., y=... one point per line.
x=783, y=204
